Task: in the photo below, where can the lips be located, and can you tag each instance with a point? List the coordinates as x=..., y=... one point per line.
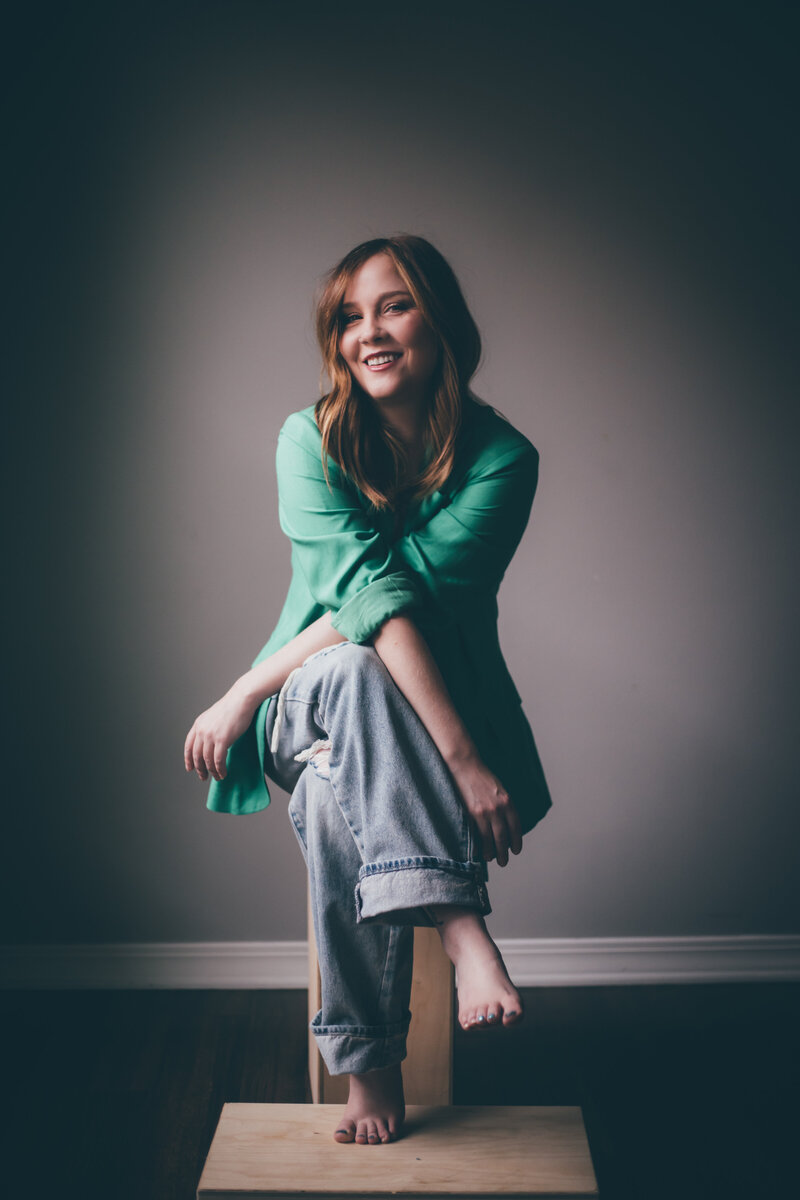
x=381, y=361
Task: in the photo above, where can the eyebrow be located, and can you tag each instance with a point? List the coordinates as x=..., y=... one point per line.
x=383, y=296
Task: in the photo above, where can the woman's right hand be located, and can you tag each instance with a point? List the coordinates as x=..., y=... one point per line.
x=214, y=732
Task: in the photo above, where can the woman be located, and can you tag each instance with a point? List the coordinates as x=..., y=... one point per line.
x=381, y=701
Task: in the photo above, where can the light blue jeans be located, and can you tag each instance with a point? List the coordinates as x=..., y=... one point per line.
x=384, y=833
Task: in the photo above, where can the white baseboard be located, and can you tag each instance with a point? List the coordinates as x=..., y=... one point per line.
x=532, y=962
x=575, y=962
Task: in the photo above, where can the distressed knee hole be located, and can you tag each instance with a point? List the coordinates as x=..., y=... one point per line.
x=318, y=754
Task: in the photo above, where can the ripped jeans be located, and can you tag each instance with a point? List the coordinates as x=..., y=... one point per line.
x=384, y=833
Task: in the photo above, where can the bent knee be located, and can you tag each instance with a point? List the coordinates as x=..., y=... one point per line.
x=357, y=659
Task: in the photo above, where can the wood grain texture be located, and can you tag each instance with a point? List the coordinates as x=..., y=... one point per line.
x=283, y=1150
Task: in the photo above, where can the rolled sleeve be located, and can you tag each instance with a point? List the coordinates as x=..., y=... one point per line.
x=365, y=612
x=348, y=567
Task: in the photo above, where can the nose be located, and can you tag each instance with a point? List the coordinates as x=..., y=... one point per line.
x=371, y=328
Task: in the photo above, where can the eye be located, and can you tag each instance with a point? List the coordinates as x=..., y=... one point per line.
x=348, y=317
x=396, y=304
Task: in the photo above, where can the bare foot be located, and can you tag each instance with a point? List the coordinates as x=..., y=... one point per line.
x=486, y=995
x=375, y=1108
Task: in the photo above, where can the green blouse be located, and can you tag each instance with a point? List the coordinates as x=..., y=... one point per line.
x=443, y=568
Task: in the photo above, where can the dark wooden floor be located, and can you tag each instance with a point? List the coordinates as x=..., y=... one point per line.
x=686, y=1091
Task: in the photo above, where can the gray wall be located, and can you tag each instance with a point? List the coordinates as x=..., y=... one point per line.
x=617, y=198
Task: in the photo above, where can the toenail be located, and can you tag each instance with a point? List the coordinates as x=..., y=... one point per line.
x=481, y=1017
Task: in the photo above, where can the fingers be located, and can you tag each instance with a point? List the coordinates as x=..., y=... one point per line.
x=193, y=757
x=515, y=830
x=205, y=753
x=500, y=831
x=193, y=754
x=188, y=750
x=486, y=836
x=214, y=755
x=200, y=758
x=220, y=760
x=501, y=838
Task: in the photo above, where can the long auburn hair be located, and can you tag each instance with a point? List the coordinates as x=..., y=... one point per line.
x=352, y=432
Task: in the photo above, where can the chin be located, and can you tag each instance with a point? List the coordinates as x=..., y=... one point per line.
x=380, y=391
x=386, y=397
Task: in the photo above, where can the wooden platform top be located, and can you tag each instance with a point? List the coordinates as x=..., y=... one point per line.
x=283, y=1150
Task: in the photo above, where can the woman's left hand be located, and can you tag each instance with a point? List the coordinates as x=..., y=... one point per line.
x=214, y=732
x=490, y=807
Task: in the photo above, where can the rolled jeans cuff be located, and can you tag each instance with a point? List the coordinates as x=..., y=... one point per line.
x=354, y=1049
x=397, y=892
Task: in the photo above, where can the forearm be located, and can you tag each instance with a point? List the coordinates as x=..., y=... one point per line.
x=215, y=730
x=408, y=659
x=270, y=675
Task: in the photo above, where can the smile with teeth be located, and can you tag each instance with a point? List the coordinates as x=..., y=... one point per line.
x=379, y=362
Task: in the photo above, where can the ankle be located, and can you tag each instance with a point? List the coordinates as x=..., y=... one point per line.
x=459, y=928
x=378, y=1077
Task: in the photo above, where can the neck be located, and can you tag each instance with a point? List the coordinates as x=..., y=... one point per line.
x=406, y=419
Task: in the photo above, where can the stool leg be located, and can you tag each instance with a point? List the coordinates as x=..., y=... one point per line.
x=428, y=1066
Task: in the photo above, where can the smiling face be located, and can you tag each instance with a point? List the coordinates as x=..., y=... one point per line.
x=389, y=348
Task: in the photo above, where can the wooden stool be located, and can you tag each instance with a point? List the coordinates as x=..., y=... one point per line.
x=428, y=1066
x=286, y=1151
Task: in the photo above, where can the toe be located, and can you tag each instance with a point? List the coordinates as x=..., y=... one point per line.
x=361, y=1132
x=477, y=1018
x=512, y=1013
x=372, y=1133
x=383, y=1132
x=345, y=1132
